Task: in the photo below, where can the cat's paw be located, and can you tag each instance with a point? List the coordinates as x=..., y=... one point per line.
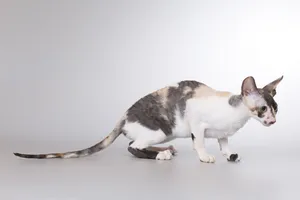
x=206, y=158
x=164, y=155
x=233, y=157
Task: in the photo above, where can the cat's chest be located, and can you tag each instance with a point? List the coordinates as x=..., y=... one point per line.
x=228, y=123
x=217, y=112
x=220, y=130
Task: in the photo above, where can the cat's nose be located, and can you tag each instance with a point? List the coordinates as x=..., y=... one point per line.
x=272, y=122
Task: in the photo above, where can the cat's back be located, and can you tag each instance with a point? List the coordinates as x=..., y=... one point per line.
x=165, y=100
x=174, y=92
x=165, y=108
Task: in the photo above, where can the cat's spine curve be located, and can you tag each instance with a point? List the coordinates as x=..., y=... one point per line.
x=81, y=153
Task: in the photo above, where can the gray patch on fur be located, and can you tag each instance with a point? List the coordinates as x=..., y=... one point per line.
x=267, y=96
x=182, y=102
x=177, y=94
x=235, y=100
x=151, y=113
x=143, y=153
x=191, y=84
x=270, y=101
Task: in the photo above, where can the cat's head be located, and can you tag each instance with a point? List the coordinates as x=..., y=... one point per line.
x=260, y=101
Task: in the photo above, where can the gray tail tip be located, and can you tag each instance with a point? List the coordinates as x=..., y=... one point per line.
x=29, y=156
x=17, y=154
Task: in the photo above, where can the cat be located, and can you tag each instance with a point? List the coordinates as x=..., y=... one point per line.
x=188, y=109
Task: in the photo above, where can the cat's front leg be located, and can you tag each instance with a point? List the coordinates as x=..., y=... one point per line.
x=224, y=148
x=198, y=143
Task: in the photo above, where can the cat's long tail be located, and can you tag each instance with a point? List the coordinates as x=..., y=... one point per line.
x=80, y=153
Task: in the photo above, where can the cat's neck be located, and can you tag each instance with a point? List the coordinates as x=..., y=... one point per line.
x=236, y=101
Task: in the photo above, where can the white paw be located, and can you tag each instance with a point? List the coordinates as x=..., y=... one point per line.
x=207, y=158
x=164, y=155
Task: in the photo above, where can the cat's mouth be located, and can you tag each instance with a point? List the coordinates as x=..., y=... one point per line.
x=267, y=124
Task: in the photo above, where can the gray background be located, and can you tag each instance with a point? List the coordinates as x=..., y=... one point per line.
x=70, y=69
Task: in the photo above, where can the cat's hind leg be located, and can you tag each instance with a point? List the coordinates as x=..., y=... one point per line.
x=170, y=147
x=143, y=141
x=142, y=148
x=152, y=152
x=157, y=153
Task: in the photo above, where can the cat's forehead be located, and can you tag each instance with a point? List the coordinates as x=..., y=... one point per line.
x=256, y=100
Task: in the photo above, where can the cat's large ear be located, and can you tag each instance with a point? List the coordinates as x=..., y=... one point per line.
x=271, y=87
x=249, y=86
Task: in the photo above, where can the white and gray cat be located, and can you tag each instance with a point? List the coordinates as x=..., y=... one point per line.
x=188, y=109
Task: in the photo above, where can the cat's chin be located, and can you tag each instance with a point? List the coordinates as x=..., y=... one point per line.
x=266, y=124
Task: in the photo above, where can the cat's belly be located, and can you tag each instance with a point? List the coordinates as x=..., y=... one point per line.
x=182, y=128
x=214, y=133
x=181, y=131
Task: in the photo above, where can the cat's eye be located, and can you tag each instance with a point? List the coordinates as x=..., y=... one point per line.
x=263, y=108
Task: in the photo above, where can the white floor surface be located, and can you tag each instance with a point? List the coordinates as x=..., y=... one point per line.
x=263, y=173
